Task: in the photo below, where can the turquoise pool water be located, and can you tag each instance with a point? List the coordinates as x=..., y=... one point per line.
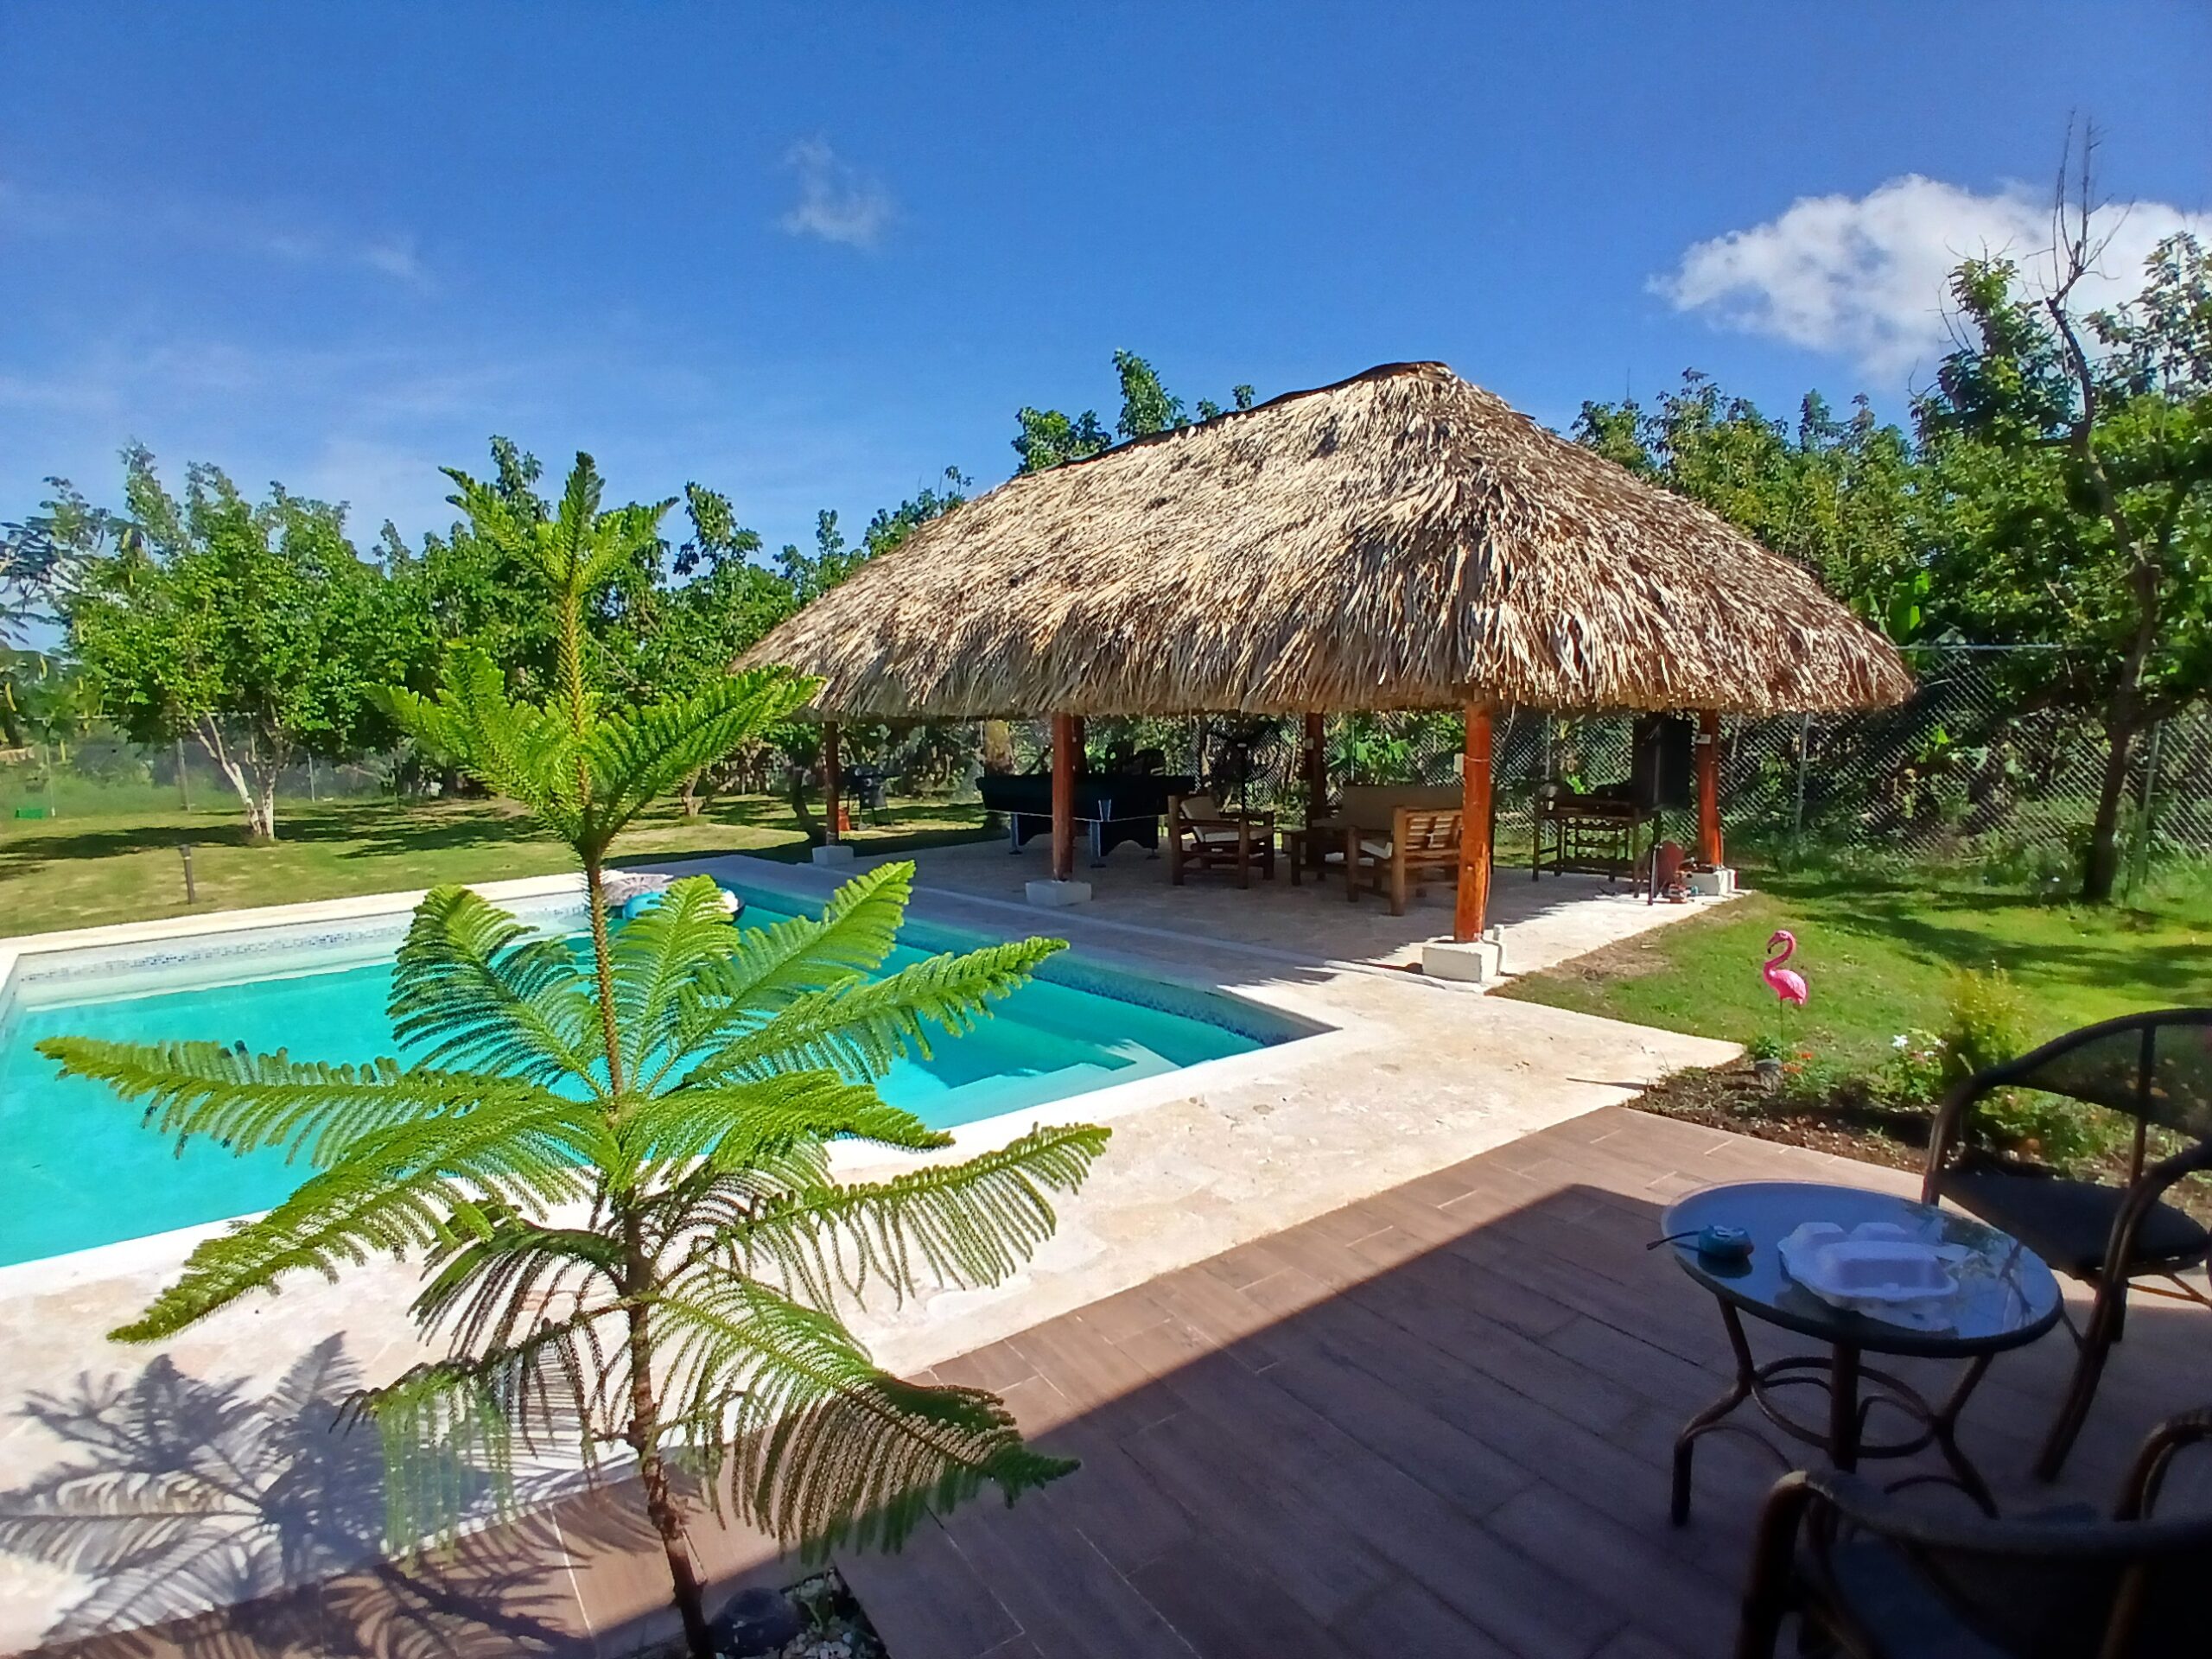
x=76, y=1170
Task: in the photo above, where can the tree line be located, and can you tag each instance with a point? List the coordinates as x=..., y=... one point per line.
x=2052, y=487
x=258, y=632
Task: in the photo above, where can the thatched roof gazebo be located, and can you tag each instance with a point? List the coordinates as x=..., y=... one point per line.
x=1398, y=540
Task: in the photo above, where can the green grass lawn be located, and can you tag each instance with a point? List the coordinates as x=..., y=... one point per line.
x=1878, y=947
x=124, y=865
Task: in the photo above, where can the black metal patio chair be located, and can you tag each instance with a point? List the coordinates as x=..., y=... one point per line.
x=2154, y=1068
x=1871, y=1576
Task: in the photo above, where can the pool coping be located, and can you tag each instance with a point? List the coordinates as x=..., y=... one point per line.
x=848, y=1159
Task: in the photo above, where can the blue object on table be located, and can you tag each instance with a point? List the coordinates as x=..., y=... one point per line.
x=1718, y=1242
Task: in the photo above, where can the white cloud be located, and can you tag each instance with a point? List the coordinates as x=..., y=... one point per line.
x=837, y=201
x=394, y=256
x=208, y=224
x=1867, y=277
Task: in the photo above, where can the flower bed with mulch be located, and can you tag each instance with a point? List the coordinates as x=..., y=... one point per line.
x=1850, y=1121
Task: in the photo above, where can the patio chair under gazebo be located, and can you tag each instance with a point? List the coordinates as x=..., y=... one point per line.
x=1399, y=540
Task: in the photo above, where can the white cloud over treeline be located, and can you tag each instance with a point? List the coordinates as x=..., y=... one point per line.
x=1866, y=277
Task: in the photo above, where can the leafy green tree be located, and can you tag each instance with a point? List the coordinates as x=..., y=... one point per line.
x=45, y=699
x=1240, y=398
x=811, y=575
x=1146, y=405
x=693, y=628
x=2075, y=458
x=1840, y=495
x=43, y=555
x=257, y=631
x=616, y=1169
x=891, y=525
x=1048, y=436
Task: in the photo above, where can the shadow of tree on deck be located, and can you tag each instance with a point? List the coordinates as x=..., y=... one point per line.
x=179, y=1495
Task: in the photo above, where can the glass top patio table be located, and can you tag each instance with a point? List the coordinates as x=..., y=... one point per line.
x=2006, y=1299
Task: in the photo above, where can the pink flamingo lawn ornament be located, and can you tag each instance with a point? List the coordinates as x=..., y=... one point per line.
x=1787, y=984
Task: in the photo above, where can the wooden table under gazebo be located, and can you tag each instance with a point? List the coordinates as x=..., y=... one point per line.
x=1401, y=540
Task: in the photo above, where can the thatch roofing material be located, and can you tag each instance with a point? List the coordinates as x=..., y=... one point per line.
x=1400, y=540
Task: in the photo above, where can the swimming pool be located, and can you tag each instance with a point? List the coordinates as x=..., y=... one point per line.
x=76, y=1170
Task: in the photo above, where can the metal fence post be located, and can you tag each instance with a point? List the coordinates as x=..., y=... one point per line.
x=1804, y=746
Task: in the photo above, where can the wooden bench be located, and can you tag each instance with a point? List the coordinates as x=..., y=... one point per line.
x=1422, y=846
x=1369, y=807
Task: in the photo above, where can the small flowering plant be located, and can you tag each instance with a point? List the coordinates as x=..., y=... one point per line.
x=1918, y=1068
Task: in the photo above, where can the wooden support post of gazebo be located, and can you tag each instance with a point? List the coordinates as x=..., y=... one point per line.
x=1468, y=954
x=1063, y=888
x=834, y=848
x=1471, y=910
x=1709, y=850
x=1064, y=744
x=1713, y=878
x=1314, y=756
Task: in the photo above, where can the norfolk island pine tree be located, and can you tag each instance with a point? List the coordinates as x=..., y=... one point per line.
x=616, y=1173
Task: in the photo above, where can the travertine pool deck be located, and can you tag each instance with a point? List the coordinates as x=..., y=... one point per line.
x=1407, y=1078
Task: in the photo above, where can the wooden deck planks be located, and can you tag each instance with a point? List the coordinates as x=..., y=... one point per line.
x=1434, y=1422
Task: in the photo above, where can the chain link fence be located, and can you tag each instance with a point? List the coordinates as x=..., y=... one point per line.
x=97, y=774
x=1971, y=764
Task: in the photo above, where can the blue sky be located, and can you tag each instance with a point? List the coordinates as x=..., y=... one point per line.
x=812, y=255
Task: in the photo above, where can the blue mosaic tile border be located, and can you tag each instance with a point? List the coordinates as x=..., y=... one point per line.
x=88, y=963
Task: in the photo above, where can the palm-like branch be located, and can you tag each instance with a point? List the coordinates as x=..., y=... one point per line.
x=586, y=788
x=970, y=1223
x=657, y=962
x=577, y=549
x=747, y=1124
x=403, y=1188
x=860, y=1026
x=634, y=754
x=830, y=1450
x=250, y=1101
x=773, y=966
x=478, y=987
x=524, y=750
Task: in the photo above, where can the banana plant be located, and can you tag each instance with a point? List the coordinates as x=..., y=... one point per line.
x=613, y=1165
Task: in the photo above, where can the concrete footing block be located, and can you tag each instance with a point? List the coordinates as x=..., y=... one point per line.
x=1478, y=962
x=836, y=852
x=1055, y=896
x=1712, y=884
